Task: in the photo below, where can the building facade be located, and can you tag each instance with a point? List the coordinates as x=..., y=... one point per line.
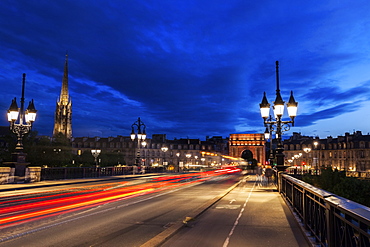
x=350, y=152
x=248, y=147
x=158, y=150
x=63, y=111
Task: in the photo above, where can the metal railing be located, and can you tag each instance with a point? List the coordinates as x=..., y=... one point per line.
x=330, y=220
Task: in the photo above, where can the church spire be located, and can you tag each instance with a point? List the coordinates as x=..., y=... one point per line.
x=64, y=95
x=63, y=111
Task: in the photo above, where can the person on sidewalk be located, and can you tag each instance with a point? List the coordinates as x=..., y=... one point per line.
x=268, y=175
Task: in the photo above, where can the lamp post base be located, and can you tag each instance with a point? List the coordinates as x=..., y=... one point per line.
x=19, y=171
x=20, y=164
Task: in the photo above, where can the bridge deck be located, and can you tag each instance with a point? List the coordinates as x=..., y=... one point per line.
x=253, y=214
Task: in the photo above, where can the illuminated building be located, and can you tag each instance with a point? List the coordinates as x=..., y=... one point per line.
x=248, y=147
x=63, y=112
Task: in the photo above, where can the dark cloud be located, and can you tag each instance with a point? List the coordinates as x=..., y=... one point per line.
x=187, y=68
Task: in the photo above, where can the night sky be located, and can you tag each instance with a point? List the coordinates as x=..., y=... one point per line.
x=191, y=68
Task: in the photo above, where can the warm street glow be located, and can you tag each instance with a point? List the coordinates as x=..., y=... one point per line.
x=41, y=205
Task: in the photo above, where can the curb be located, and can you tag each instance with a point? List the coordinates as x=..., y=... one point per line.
x=169, y=232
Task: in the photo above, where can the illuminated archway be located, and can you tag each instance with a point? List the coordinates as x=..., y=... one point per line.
x=247, y=155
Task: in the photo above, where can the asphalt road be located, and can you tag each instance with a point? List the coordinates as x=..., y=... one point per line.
x=113, y=213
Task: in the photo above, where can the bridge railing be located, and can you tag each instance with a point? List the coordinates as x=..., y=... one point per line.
x=329, y=219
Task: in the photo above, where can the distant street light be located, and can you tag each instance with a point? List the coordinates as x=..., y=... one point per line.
x=203, y=159
x=178, y=162
x=188, y=156
x=164, y=150
x=140, y=135
x=276, y=124
x=95, y=153
x=317, y=161
x=307, y=151
x=21, y=121
x=143, y=143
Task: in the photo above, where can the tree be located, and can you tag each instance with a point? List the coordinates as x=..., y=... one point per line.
x=357, y=190
x=329, y=178
x=46, y=151
x=354, y=189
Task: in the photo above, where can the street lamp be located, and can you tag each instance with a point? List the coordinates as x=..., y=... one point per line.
x=307, y=150
x=141, y=136
x=178, y=162
x=188, y=156
x=203, y=159
x=25, y=118
x=143, y=143
x=276, y=124
x=164, y=150
x=317, y=153
x=21, y=121
x=268, y=135
x=95, y=153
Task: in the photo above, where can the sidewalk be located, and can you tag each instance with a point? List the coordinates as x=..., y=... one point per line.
x=252, y=214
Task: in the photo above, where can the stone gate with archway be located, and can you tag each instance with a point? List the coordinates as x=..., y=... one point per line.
x=248, y=146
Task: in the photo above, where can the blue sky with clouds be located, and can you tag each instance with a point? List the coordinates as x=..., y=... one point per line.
x=188, y=68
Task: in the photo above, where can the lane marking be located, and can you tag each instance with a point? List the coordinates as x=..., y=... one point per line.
x=226, y=243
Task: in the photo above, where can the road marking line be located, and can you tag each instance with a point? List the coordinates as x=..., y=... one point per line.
x=226, y=243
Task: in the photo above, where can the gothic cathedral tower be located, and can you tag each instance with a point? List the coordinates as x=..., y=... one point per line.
x=63, y=112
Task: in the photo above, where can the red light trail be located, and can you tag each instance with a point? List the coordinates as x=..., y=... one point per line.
x=38, y=205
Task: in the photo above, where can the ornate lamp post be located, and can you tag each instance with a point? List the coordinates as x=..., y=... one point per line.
x=316, y=159
x=143, y=143
x=268, y=136
x=25, y=118
x=203, y=159
x=178, y=162
x=95, y=153
x=276, y=124
x=21, y=121
x=307, y=150
x=141, y=136
x=164, y=150
x=188, y=156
